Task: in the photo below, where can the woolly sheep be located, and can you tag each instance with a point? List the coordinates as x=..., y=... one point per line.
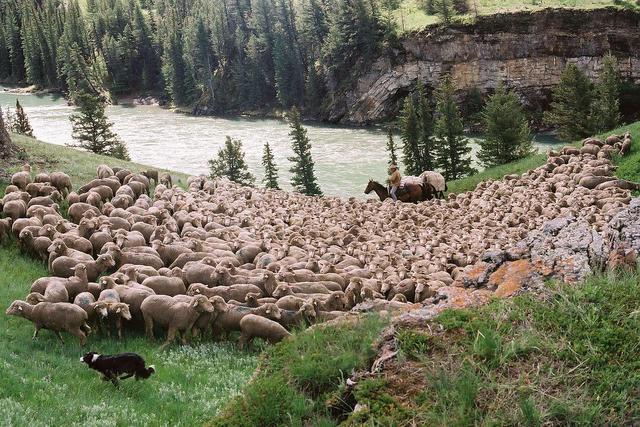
x=56, y=317
x=177, y=317
x=252, y=326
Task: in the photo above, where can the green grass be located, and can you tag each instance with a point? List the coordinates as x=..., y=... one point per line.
x=568, y=358
x=43, y=383
x=628, y=166
x=80, y=165
x=300, y=380
x=411, y=16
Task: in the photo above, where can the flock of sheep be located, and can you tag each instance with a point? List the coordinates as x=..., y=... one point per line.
x=218, y=257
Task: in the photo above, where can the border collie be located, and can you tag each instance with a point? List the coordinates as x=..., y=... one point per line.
x=118, y=366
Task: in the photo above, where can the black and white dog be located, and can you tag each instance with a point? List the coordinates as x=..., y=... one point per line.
x=118, y=366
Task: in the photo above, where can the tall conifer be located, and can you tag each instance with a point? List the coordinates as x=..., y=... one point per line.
x=21, y=124
x=304, y=178
x=270, y=170
x=453, y=156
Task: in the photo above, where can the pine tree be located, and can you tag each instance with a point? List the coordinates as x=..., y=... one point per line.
x=606, y=105
x=425, y=123
x=92, y=130
x=270, y=170
x=303, y=179
x=21, y=124
x=508, y=136
x=231, y=163
x=410, y=133
x=571, y=107
x=453, y=154
x=391, y=148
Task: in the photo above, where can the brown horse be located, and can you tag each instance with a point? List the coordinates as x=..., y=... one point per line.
x=409, y=193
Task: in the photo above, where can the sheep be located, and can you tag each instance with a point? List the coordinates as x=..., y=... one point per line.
x=121, y=312
x=78, y=283
x=165, y=179
x=135, y=258
x=151, y=174
x=229, y=320
x=121, y=174
x=42, y=177
x=56, y=292
x=21, y=179
x=65, y=266
x=304, y=316
x=252, y=326
x=38, y=245
x=78, y=210
x=104, y=171
x=86, y=301
x=204, y=322
x=15, y=209
x=111, y=182
x=201, y=272
x=233, y=292
x=59, y=248
x=290, y=302
x=56, y=317
x=177, y=317
x=49, y=201
x=61, y=181
x=133, y=296
x=162, y=285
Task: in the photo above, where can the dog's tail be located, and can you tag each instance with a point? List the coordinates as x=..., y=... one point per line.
x=146, y=372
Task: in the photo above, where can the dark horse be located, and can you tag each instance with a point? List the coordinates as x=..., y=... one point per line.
x=408, y=193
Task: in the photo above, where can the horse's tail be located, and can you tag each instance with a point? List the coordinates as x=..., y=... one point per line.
x=446, y=188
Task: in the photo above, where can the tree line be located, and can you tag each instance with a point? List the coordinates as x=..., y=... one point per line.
x=209, y=55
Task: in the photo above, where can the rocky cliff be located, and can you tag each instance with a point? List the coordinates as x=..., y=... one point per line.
x=527, y=51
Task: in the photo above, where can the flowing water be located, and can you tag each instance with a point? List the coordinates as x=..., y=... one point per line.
x=345, y=158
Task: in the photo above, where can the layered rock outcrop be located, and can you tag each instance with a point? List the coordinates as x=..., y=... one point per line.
x=526, y=50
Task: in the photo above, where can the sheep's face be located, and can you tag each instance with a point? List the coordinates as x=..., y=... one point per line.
x=101, y=308
x=272, y=311
x=202, y=304
x=15, y=309
x=122, y=310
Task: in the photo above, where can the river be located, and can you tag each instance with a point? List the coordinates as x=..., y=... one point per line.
x=345, y=158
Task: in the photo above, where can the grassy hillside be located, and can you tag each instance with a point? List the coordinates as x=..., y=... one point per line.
x=80, y=165
x=411, y=15
x=628, y=166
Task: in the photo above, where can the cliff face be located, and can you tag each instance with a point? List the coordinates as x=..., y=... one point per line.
x=527, y=51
